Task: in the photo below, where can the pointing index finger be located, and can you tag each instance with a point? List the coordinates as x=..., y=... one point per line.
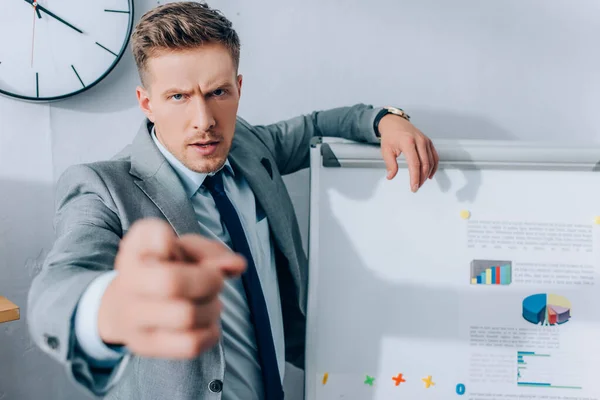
x=199, y=249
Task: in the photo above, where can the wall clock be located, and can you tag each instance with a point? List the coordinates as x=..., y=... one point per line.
x=54, y=49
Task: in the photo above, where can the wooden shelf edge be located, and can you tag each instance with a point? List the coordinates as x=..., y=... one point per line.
x=8, y=310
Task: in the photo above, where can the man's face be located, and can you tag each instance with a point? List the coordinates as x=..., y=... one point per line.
x=192, y=97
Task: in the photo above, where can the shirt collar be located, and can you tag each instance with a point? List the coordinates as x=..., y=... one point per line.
x=192, y=180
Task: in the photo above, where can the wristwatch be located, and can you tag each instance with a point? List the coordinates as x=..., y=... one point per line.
x=385, y=111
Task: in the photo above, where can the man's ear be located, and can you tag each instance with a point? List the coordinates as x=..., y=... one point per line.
x=239, y=84
x=143, y=98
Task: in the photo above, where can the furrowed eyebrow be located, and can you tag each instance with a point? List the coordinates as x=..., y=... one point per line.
x=222, y=85
x=175, y=90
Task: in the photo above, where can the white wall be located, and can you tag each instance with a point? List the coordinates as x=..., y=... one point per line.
x=511, y=69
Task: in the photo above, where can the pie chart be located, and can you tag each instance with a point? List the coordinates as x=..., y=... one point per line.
x=546, y=309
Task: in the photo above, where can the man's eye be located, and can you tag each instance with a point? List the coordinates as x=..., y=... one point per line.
x=219, y=92
x=177, y=96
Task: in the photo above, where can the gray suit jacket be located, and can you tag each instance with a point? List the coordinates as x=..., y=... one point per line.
x=98, y=202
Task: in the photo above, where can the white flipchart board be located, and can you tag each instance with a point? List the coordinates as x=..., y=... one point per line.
x=482, y=285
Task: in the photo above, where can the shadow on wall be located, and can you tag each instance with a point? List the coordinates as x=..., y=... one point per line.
x=26, y=233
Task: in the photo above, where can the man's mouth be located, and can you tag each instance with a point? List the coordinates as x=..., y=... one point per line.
x=205, y=148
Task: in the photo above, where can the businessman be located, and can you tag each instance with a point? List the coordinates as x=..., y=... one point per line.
x=178, y=270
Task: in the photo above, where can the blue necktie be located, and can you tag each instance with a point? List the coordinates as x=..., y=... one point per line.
x=256, y=300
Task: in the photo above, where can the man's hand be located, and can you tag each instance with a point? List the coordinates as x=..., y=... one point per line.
x=164, y=300
x=400, y=136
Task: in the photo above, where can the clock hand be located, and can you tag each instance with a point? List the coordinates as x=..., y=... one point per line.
x=35, y=7
x=50, y=13
x=35, y=10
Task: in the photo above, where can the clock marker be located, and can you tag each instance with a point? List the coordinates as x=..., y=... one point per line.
x=111, y=52
x=117, y=11
x=37, y=85
x=78, y=77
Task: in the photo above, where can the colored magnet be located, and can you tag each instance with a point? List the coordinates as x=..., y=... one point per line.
x=369, y=380
x=325, y=377
x=597, y=220
x=398, y=379
x=465, y=214
x=428, y=382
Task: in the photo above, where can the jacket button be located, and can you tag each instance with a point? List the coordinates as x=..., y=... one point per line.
x=52, y=342
x=215, y=386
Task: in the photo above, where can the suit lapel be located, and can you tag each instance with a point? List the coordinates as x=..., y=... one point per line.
x=160, y=183
x=259, y=178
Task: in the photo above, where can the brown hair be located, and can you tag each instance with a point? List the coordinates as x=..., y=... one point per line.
x=181, y=26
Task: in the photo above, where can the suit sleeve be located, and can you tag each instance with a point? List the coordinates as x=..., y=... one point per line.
x=289, y=140
x=87, y=236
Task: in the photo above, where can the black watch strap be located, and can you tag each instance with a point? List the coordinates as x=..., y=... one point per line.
x=383, y=112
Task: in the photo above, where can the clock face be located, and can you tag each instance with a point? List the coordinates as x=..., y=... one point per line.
x=52, y=49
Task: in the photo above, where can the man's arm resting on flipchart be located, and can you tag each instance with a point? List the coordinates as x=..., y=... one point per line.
x=88, y=232
x=289, y=140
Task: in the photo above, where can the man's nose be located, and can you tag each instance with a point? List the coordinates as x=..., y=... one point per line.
x=204, y=119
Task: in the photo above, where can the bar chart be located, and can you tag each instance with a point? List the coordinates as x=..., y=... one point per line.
x=491, y=272
x=544, y=371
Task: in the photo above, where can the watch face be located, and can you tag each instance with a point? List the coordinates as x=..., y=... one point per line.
x=398, y=111
x=52, y=49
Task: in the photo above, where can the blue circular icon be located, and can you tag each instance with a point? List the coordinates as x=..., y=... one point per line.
x=460, y=389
